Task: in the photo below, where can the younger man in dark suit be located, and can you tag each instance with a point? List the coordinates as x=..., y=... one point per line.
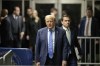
x=72, y=40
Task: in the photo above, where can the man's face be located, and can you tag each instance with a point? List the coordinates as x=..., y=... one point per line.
x=29, y=12
x=17, y=11
x=55, y=12
x=66, y=22
x=50, y=22
x=89, y=13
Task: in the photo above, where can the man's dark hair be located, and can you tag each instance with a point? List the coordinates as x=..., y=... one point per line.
x=15, y=8
x=65, y=16
x=90, y=8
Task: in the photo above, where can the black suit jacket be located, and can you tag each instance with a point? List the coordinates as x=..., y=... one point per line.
x=61, y=46
x=5, y=33
x=32, y=27
x=74, y=43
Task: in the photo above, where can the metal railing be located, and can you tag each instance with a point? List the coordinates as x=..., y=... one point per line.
x=6, y=59
x=90, y=51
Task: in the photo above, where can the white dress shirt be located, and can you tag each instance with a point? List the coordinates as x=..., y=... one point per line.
x=89, y=27
x=53, y=36
x=15, y=17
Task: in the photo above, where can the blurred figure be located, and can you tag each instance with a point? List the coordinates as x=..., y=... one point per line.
x=4, y=13
x=37, y=20
x=51, y=45
x=33, y=23
x=54, y=12
x=15, y=27
x=72, y=40
x=26, y=42
x=4, y=28
x=88, y=28
x=59, y=21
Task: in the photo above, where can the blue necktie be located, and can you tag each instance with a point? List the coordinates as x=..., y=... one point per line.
x=50, y=45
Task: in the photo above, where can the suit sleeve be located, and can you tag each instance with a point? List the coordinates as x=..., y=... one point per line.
x=76, y=44
x=8, y=28
x=65, y=47
x=80, y=31
x=37, y=53
x=23, y=25
x=27, y=27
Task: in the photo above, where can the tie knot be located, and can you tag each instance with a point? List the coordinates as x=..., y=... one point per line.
x=67, y=29
x=50, y=30
x=16, y=17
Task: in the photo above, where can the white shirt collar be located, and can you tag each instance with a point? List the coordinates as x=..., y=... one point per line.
x=13, y=15
x=66, y=28
x=88, y=18
x=53, y=29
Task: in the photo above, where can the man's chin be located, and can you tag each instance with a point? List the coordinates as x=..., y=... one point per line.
x=49, y=27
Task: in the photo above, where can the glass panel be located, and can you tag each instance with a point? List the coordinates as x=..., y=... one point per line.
x=10, y=4
x=74, y=10
x=43, y=9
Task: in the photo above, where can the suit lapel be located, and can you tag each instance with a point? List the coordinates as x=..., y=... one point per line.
x=56, y=35
x=19, y=24
x=84, y=22
x=46, y=36
x=12, y=19
x=71, y=35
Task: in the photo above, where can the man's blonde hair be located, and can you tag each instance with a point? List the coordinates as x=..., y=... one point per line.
x=49, y=16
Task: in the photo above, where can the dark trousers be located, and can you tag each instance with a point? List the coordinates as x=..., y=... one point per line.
x=72, y=60
x=51, y=62
x=16, y=42
x=6, y=42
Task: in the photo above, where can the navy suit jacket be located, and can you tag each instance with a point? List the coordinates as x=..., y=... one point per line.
x=61, y=46
x=74, y=43
x=94, y=27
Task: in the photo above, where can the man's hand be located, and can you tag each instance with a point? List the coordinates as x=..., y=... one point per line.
x=64, y=63
x=21, y=35
x=38, y=64
x=27, y=37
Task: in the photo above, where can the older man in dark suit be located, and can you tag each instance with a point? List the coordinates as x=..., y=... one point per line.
x=51, y=45
x=88, y=28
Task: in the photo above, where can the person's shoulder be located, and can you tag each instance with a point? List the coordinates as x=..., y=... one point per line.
x=83, y=18
x=8, y=18
x=60, y=29
x=42, y=29
x=94, y=18
x=10, y=15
